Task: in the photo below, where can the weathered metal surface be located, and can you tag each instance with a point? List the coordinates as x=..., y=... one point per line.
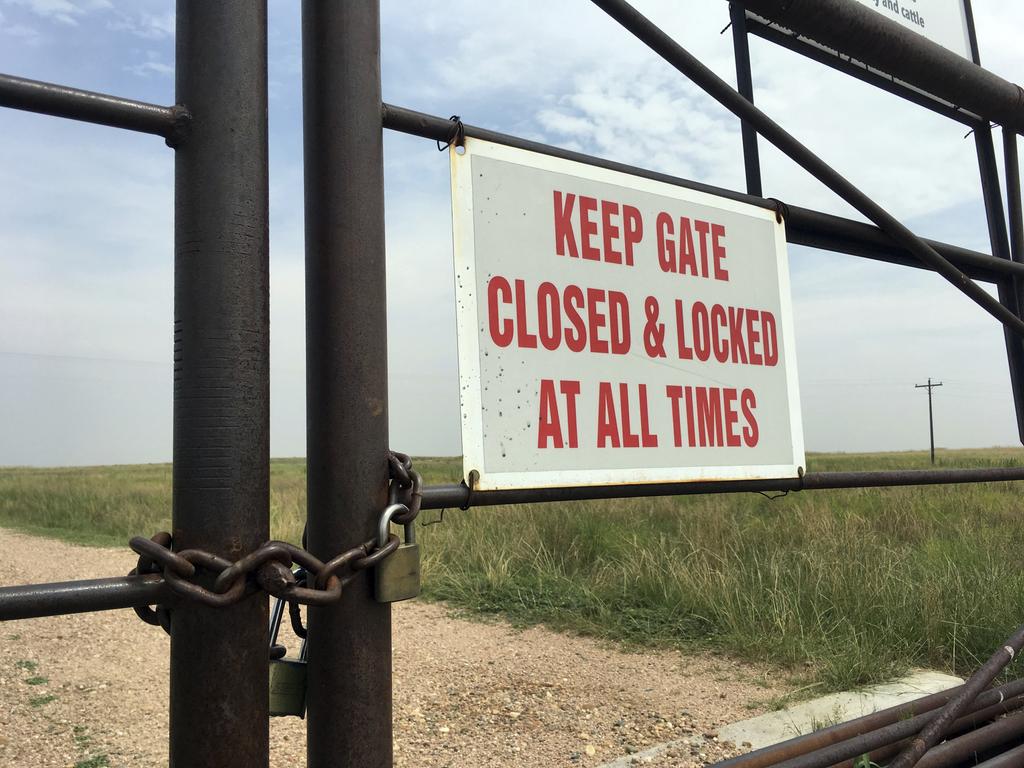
x=874, y=40
x=34, y=600
x=88, y=106
x=688, y=65
x=219, y=670
x=349, y=694
x=803, y=226
x=459, y=496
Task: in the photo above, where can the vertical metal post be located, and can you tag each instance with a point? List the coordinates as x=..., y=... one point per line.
x=1013, y=196
x=745, y=85
x=349, y=693
x=218, y=710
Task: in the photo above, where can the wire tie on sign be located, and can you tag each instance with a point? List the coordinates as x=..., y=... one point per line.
x=780, y=208
x=456, y=136
x=725, y=28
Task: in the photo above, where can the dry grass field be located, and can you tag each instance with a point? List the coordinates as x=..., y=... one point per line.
x=847, y=587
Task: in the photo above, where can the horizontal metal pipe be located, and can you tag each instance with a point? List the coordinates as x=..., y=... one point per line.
x=865, y=74
x=834, y=233
x=885, y=45
x=803, y=225
x=936, y=729
x=34, y=600
x=684, y=62
x=966, y=723
x=964, y=748
x=838, y=733
x=1012, y=759
x=459, y=496
x=985, y=708
x=91, y=107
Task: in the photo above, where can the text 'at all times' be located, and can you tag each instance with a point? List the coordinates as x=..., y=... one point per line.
x=582, y=319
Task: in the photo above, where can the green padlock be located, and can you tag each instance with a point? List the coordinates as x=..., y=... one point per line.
x=397, y=577
x=287, y=676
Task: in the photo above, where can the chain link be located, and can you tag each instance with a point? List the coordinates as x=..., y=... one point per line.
x=195, y=574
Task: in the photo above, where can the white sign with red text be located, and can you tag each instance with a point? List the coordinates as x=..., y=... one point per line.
x=614, y=329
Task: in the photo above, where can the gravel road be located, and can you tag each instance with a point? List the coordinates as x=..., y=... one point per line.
x=90, y=690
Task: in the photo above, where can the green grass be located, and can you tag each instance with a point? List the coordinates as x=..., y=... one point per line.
x=41, y=701
x=848, y=587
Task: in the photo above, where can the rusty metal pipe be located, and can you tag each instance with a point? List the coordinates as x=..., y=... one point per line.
x=1012, y=759
x=459, y=496
x=885, y=45
x=966, y=723
x=849, y=740
x=91, y=107
x=684, y=62
x=804, y=226
x=35, y=600
x=931, y=734
x=966, y=747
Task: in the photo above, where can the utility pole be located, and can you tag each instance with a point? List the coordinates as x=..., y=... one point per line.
x=931, y=424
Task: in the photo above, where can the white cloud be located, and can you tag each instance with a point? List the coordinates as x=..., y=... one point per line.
x=63, y=11
x=148, y=68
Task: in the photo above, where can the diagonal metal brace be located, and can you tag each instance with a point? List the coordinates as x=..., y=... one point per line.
x=673, y=53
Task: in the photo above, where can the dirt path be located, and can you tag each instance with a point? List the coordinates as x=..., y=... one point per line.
x=90, y=690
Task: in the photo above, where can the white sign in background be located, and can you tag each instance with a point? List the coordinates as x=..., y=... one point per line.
x=614, y=329
x=941, y=21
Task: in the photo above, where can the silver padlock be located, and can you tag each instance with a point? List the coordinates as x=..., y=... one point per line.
x=397, y=577
x=287, y=676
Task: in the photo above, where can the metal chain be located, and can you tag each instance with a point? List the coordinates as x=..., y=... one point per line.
x=269, y=567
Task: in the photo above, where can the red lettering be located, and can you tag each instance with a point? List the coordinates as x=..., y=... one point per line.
x=575, y=339
x=702, y=228
x=753, y=337
x=709, y=416
x=685, y=353
x=718, y=251
x=771, y=341
x=748, y=403
x=718, y=340
x=629, y=439
x=689, y=417
x=502, y=331
x=618, y=311
x=595, y=320
x=610, y=231
x=588, y=228
x=549, y=316
x=736, y=343
x=701, y=331
x=607, y=427
x=634, y=225
x=731, y=417
x=549, y=426
x=647, y=438
x=687, y=256
x=674, y=393
x=666, y=246
x=570, y=389
x=565, y=238
x=524, y=338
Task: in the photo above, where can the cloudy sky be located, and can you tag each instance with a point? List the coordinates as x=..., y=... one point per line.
x=86, y=257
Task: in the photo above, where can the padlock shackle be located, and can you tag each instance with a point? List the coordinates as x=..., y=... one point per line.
x=384, y=527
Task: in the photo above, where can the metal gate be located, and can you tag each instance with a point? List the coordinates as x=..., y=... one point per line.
x=218, y=131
